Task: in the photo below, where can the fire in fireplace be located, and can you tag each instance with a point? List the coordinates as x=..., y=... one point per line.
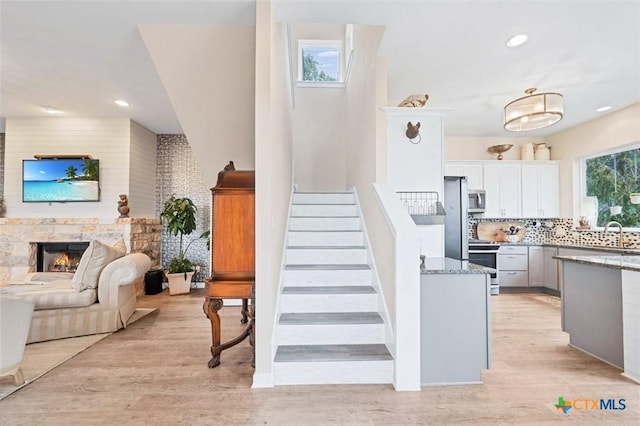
x=59, y=257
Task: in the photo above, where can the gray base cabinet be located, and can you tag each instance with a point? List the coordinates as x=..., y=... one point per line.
x=551, y=268
x=513, y=266
x=592, y=310
x=455, y=328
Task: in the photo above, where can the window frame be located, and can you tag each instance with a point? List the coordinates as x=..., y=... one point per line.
x=333, y=44
x=583, y=179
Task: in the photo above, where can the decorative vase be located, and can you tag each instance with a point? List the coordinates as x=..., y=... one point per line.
x=179, y=283
x=527, y=152
x=513, y=238
x=542, y=152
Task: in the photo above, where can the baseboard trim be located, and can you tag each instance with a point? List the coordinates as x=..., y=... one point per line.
x=544, y=290
x=262, y=380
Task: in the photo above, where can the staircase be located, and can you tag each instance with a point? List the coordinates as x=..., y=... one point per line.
x=329, y=330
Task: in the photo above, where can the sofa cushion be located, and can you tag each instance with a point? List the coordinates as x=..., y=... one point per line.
x=94, y=259
x=53, y=295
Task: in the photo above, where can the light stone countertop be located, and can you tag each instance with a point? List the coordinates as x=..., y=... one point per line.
x=616, y=262
x=446, y=265
x=625, y=251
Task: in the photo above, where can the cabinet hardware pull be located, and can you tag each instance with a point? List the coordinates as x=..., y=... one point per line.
x=512, y=273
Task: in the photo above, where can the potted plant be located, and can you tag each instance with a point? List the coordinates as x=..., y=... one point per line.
x=179, y=215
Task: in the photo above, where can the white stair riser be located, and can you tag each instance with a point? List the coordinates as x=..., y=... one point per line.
x=323, y=198
x=343, y=372
x=325, y=238
x=333, y=334
x=299, y=303
x=326, y=256
x=306, y=278
x=324, y=223
x=324, y=210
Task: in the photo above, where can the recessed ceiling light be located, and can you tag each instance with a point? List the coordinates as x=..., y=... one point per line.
x=51, y=110
x=517, y=40
x=603, y=108
x=121, y=103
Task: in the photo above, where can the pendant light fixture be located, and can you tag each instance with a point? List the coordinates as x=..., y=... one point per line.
x=533, y=111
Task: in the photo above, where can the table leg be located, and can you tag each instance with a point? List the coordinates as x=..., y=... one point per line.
x=211, y=308
x=245, y=311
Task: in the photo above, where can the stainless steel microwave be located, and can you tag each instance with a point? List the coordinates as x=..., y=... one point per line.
x=477, y=200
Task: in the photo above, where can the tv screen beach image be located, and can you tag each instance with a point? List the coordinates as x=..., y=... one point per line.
x=60, y=180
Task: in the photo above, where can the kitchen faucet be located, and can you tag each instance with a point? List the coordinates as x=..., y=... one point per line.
x=621, y=242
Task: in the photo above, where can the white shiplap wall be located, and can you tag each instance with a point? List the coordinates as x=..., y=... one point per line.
x=105, y=139
x=142, y=172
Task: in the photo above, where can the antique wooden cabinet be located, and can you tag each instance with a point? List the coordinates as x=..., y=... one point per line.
x=233, y=254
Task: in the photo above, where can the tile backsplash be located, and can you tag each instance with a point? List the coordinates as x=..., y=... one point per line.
x=561, y=231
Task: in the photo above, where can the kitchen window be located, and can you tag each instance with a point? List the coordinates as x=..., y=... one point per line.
x=612, y=177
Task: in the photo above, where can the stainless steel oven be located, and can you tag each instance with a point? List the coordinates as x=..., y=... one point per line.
x=485, y=253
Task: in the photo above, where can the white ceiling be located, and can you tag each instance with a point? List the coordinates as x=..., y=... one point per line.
x=80, y=56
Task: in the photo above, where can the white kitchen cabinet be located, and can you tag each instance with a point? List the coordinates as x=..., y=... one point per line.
x=540, y=190
x=502, y=182
x=536, y=266
x=513, y=266
x=550, y=268
x=472, y=170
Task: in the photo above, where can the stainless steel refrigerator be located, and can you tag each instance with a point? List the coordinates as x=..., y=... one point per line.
x=456, y=225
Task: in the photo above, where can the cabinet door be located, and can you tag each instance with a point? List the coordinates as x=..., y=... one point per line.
x=474, y=175
x=492, y=187
x=453, y=169
x=473, y=172
x=549, y=190
x=536, y=266
x=530, y=191
x=510, y=190
x=550, y=268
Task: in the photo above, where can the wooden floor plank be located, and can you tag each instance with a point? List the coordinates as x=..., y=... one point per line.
x=155, y=372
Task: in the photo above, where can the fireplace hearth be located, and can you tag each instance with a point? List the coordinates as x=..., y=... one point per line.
x=59, y=257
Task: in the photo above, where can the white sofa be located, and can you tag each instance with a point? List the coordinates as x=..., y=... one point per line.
x=64, y=310
x=15, y=317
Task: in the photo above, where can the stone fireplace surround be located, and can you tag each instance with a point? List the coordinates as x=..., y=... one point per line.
x=18, y=238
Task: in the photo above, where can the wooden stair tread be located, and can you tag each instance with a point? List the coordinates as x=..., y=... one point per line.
x=328, y=267
x=332, y=353
x=342, y=289
x=330, y=318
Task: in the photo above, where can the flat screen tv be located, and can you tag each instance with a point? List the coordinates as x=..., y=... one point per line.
x=60, y=180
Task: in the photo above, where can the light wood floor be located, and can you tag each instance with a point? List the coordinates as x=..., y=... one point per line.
x=155, y=372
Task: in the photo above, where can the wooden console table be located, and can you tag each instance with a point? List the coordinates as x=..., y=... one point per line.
x=233, y=255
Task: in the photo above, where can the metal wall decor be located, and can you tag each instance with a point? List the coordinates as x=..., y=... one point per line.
x=413, y=133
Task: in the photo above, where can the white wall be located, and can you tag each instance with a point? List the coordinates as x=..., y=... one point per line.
x=209, y=74
x=419, y=166
x=475, y=148
x=142, y=171
x=107, y=140
x=610, y=131
x=319, y=122
x=274, y=174
x=320, y=139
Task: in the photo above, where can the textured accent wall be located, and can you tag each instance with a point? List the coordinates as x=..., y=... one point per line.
x=179, y=172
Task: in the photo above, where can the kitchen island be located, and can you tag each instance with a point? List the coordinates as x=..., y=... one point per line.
x=455, y=321
x=600, y=308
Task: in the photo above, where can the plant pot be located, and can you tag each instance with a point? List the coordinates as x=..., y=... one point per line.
x=635, y=197
x=513, y=238
x=615, y=210
x=178, y=284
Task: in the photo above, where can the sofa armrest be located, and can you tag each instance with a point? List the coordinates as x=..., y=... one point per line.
x=124, y=271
